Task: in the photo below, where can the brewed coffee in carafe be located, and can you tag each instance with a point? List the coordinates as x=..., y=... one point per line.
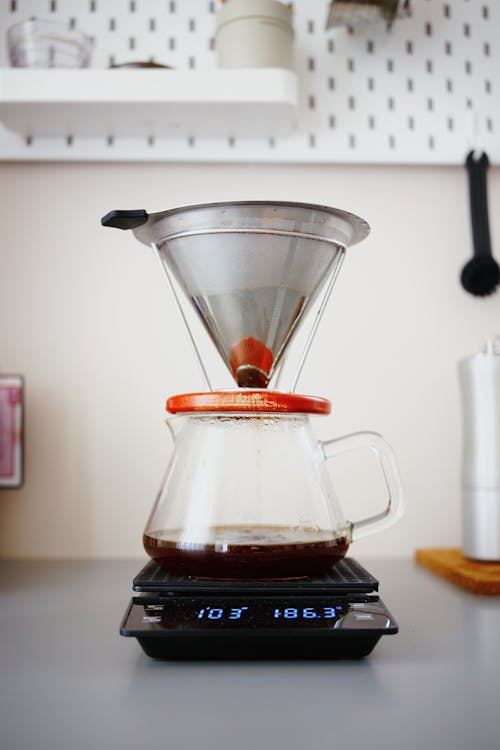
x=257, y=553
x=247, y=494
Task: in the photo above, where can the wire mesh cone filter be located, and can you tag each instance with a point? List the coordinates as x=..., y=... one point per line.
x=251, y=271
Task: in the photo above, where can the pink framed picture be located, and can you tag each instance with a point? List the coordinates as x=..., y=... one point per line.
x=11, y=430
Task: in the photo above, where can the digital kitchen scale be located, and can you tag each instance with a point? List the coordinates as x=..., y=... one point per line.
x=336, y=615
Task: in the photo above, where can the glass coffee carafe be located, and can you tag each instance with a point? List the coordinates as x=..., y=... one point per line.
x=247, y=494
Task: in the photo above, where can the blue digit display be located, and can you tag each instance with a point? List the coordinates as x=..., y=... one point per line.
x=306, y=613
x=309, y=613
x=267, y=612
x=236, y=612
x=214, y=613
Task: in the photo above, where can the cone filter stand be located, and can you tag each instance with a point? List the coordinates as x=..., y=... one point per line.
x=250, y=270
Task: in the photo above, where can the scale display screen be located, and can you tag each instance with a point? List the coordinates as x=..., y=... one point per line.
x=215, y=614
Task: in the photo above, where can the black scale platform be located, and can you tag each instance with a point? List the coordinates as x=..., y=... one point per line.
x=346, y=577
x=336, y=615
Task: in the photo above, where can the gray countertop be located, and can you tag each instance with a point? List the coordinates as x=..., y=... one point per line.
x=68, y=680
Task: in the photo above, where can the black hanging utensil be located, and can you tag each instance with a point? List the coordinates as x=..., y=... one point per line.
x=481, y=275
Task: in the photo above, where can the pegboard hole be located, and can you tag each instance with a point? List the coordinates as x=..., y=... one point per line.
x=450, y=124
x=310, y=27
x=13, y=6
x=331, y=83
x=449, y=85
x=487, y=86
x=331, y=46
x=171, y=43
x=448, y=48
x=152, y=24
x=172, y=6
x=410, y=84
x=430, y=104
x=428, y=66
x=489, y=124
x=112, y=24
x=332, y=121
x=370, y=46
x=132, y=6
x=411, y=123
x=468, y=67
x=192, y=25
x=466, y=30
x=485, y=12
x=312, y=140
x=151, y=141
x=390, y=65
x=486, y=49
x=428, y=29
x=409, y=47
x=392, y=141
x=351, y=102
x=371, y=122
x=431, y=143
x=350, y=65
x=352, y=141
x=29, y=140
x=311, y=102
x=447, y=10
x=131, y=43
x=311, y=64
x=371, y=84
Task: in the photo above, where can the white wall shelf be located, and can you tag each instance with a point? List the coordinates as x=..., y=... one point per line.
x=148, y=103
x=424, y=92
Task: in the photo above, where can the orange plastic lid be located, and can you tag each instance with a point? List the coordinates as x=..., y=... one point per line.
x=271, y=402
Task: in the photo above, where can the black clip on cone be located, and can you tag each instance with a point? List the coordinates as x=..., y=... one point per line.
x=125, y=219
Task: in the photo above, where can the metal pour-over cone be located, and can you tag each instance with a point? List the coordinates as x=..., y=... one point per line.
x=251, y=270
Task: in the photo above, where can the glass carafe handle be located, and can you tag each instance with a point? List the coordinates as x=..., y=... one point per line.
x=375, y=442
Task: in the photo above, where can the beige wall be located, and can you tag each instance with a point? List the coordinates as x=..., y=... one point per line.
x=87, y=319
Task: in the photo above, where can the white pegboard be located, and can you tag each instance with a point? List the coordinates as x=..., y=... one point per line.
x=424, y=92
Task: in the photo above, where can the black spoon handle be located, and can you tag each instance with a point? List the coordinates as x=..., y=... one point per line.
x=478, y=197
